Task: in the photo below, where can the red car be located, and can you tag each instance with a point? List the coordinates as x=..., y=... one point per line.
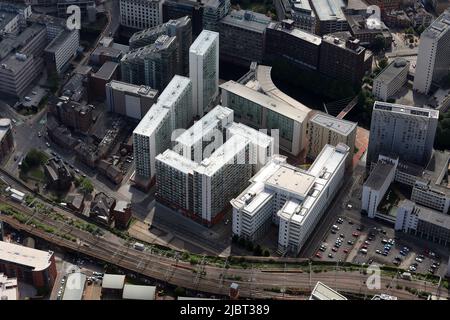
x=318, y=255
x=364, y=246
x=345, y=250
x=334, y=249
x=355, y=234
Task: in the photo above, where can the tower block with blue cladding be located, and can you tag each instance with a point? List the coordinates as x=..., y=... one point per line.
x=204, y=71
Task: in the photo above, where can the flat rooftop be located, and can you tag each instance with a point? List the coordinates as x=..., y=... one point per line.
x=392, y=71
x=298, y=33
x=323, y=292
x=140, y=90
x=378, y=175
x=439, y=27
x=207, y=123
x=409, y=110
x=291, y=180
x=248, y=20
x=265, y=101
x=253, y=135
x=175, y=160
x=432, y=216
x=339, y=126
x=107, y=70
x=204, y=40
x=59, y=40
x=152, y=120
x=173, y=90
x=327, y=10
x=37, y=260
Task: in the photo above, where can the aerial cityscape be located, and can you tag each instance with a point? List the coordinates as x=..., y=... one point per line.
x=245, y=150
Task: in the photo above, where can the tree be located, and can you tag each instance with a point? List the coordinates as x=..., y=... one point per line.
x=249, y=245
x=179, y=291
x=86, y=186
x=266, y=252
x=378, y=43
x=258, y=250
x=383, y=63
x=235, y=238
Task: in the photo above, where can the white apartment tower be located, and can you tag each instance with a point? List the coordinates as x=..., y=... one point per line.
x=154, y=132
x=204, y=70
x=141, y=14
x=433, y=60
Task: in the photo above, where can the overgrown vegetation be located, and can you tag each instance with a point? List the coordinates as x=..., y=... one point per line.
x=442, y=140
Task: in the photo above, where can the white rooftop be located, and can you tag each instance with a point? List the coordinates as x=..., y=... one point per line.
x=340, y=126
x=135, y=292
x=113, y=281
x=204, y=126
x=203, y=42
x=36, y=259
x=173, y=90
x=255, y=136
x=403, y=109
x=140, y=90
x=323, y=292
x=152, y=120
x=265, y=101
x=175, y=160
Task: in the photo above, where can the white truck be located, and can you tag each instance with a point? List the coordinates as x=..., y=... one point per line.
x=407, y=276
x=139, y=246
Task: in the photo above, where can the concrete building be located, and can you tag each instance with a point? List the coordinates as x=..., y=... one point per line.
x=201, y=175
x=174, y=9
x=391, y=79
x=8, y=288
x=242, y=37
x=260, y=111
x=13, y=17
x=75, y=285
x=35, y=267
x=329, y=16
x=180, y=28
x=213, y=12
x=61, y=50
x=153, y=65
x=292, y=45
x=323, y=292
x=292, y=198
x=87, y=8
x=6, y=138
x=439, y=6
x=343, y=58
x=141, y=14
x=204, y=70
x=423, y=222
x=303, y=15
x=135, y=292
x=154, y=133
x=325, y=129
x=20, y=60
x=130, y=100
x=402, y=130
x=97, y=81
x=72, y=114
x=361, y=27
x=433, y=60
x=122, y=214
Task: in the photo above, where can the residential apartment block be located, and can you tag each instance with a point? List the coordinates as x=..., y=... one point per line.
x=204, y=71
x=141, y=14
x=405, y=131
x=61, y=49
x=292, y=198
x=391, y=79
x=213, y=12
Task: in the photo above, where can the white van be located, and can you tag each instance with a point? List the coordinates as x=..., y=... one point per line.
x=364, y=251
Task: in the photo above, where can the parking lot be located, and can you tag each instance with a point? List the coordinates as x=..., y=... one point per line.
x=351, y=241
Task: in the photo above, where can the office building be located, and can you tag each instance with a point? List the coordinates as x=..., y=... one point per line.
x=365, y=32
x=405, y=131
x=32, y=266
x=325, y=129
x=213, y=12
x=141, y=14
x=439, y=6
x=153, y=65
x=330, y=16
x=201, y=188
x=61, y=50
x=20, y=60
x=129, y=100
x=290, y=197
x=323, y=292
x=423, y=222
x=204, y=71
x=286, y=43
x=6, y=138
x=303, y=15
x=76, y=116
x=180, y=28
x=390, y=80
x=154, y=133
x=242, y=37
x=175, y=9
x=344, y=59
x=260, y=111
x=13, y=17
x=433, y=59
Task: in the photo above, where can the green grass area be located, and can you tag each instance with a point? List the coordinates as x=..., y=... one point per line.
x=37, y=173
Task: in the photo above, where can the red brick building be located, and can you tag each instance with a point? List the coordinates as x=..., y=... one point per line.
x=29, y=265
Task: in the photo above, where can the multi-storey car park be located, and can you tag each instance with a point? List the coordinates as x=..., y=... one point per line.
x=292, y=198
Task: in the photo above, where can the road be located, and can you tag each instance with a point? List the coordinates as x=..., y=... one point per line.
x=254, y=283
